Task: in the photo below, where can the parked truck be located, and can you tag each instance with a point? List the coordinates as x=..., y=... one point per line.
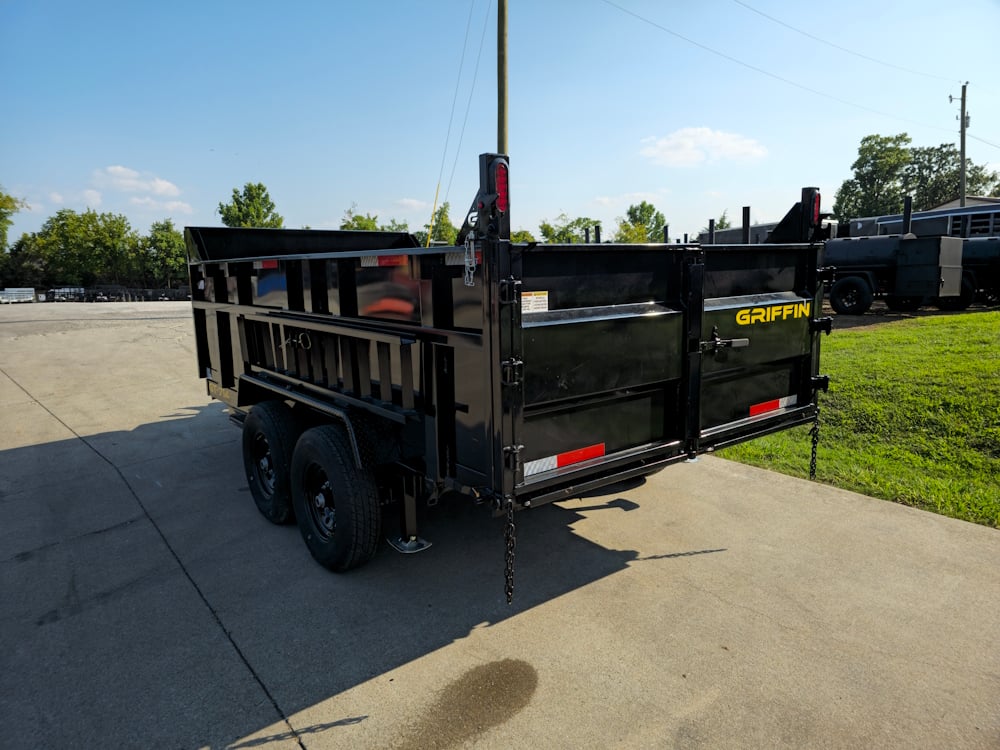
x=904, y=270
x=372, y=375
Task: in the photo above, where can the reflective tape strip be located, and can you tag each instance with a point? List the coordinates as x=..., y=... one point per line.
x=563, y=459
x=778, y=403
x=458, y=259
x=265, y=264
x=383, y=261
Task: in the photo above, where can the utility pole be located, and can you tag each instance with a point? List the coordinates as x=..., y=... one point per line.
x=963, y=120
x=502, y=78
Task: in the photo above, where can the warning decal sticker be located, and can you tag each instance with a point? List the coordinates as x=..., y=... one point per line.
x=533, y=302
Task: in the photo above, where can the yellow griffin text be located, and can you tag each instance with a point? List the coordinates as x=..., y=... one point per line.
x=750, y=315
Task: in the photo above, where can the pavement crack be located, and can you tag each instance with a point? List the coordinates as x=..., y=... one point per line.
x=173, y=553
x=28, y=554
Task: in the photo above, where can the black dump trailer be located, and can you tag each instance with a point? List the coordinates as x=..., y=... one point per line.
x=369, y=373
x=904, y=270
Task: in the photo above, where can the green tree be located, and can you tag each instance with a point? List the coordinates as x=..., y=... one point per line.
x=23, y=265
x=566, y=231
x=442, y=231
x=877, y=185
x=395, y=226
x=642, y=223
x=522, y=235
x=81, y=249
x=353, y=220
x=166, y=254
x=933, y=176
x=252, y=207
x=9, y=205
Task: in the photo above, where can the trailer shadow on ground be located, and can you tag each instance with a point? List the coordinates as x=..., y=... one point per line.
x=150, y=601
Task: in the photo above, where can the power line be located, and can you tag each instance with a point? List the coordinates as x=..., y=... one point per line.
x=468, y=104
x=842, y=49
x=454, y=99
x=981, y=140
x=768, y=73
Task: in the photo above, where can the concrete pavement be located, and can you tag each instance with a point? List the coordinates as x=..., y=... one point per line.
x=147, y=604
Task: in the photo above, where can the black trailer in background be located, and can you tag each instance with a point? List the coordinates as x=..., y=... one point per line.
x=370, y=372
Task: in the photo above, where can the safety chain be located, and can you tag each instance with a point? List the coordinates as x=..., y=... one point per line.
x=511, y=541
x=470, y=261
x=814, y=433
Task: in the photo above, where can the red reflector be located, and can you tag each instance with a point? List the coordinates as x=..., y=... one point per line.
x=778, y=403
x=765, y=407
x=503, y=188
x=392, y=260
x=580, y=454
x=268, y=264
x=816, y=210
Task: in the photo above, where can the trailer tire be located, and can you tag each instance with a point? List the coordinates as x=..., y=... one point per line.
x=851, y=295
x=269, y=434
x=336, y=501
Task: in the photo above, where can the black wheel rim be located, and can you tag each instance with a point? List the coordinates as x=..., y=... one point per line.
x=850, y=297
x=319, y=496
x=263, y=465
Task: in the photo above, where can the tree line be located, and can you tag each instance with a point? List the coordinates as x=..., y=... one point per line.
x=888, y=169
x=90, y=248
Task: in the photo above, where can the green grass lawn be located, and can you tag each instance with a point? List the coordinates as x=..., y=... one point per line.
x=913, y=416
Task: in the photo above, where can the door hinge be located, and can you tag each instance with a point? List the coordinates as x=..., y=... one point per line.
x=511, y=372
x=510, y=291
x=820, y=383
x=512, y=457
x=824, y=325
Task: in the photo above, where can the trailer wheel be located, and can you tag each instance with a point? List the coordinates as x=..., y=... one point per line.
x=269, y=434
x=336, y=502
x=903, y=304
x=851, y=295
x=962, y=301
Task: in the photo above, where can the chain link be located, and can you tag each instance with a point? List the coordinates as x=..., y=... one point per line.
x=814, y=433
x=511, y=542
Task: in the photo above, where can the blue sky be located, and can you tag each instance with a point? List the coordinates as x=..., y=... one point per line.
x=159, y=110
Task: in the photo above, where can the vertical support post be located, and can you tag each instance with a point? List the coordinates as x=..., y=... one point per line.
x=711, y=231
x=746, y=225
x=907, y=213
x=597, y=233
x=502, y=77
x=963, y=123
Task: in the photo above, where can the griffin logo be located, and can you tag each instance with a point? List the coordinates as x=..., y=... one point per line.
x=748, y=316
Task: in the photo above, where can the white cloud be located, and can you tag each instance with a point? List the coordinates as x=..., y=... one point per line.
x=92, y=198
x=689, y=147
x=126, y=180
x=179, y=207
x=56, y=198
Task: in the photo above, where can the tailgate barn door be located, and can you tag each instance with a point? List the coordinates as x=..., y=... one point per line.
x=758, y=343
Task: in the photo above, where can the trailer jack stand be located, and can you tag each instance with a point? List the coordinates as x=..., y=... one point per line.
x=409, y=542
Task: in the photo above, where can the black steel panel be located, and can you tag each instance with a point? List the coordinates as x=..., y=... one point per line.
x=775, y=327
x=618, y=421
x=728, y=396
x=577, y=276
x=573, y=353
x=227, y=243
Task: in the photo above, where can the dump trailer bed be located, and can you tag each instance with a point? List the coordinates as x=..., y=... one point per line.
x=370, y=372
